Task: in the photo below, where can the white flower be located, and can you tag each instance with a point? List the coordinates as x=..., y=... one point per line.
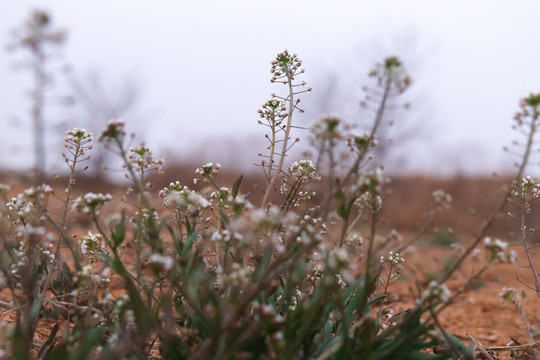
x=184, y=199
x=91, y=202
x=166, y=262
x=436, y=291
x=338, y=259
x=304, y=171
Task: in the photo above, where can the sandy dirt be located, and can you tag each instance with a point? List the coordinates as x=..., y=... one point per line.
x=477, y=312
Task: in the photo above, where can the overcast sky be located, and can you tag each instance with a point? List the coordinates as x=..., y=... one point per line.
x=203, y=68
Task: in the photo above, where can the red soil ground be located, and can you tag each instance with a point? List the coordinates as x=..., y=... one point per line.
x=477, y=311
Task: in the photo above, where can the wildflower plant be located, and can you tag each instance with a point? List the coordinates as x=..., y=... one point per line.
x=285, y=69
x=205, y=274
x=510, y=297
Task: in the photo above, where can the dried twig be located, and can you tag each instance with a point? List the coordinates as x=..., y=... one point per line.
x=479, y=347
x=516, y=347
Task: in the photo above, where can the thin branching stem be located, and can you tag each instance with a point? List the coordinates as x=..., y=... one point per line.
x=524, y=236
x=279, y=168
x=498, y=208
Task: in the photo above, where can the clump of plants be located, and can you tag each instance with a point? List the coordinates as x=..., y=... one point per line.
x=183, y=274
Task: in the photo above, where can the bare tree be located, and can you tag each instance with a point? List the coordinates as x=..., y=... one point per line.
x=42, y=41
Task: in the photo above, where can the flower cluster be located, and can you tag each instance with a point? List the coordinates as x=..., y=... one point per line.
x=208, y=171
x=256, y=221
x=142, y=159
x=327, y=129
x=436, y=292
x=77, y=143
x=368, y=188
x=182, y=198
x=88, y=279
x=509, y=294
x=306, y=229
x=303, y=171
x=360, y=143
x=392, y=260
x=113, y=131
x=226, y=236
x=354, y=240
x=529, y=189
x=161, y=262
x=392, y=266
x=386, y=319
x=4, y=188
x=33, y=242
x=370, y=181
x=239, y=276
x=442, y=198
x=274, y=111
x=338, y=260
x=93, y=244
x=290, y=303
x=529, y=110
x=31, y=200
x=391, y=73
x=497, y=250
x=285, y=65
x=370, y=201
x=91, y=203
x=174, y=186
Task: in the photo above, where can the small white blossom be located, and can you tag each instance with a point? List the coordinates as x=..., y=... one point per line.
x=303, y=171
x=91, y=203
x=166, y=262
x=436, y=291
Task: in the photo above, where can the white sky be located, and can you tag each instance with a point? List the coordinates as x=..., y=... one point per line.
x=204, y=67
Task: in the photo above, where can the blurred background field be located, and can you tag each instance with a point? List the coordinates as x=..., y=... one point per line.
x=188, y=78
x=407, y=200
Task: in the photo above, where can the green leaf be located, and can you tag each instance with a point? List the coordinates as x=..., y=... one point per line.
x=263, y=265
x=341, y=209
x=35, y=309
x=236, y=186
x=108, y=258
x=49, y=343
x=420, y=355
x=377, y=298
x=139, y=310
x=356, y=302
x=59, y=353
x=20, y=342
x=329, y=336
x=89, y=341
x=189, y=241
x=457, y=344
x=141, y=317
x=202, y=325
x=173, y=349
x=118, y=233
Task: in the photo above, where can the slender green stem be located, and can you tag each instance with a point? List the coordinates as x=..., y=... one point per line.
x=500, y=205
x=372, y=234
x=524, y=237
x=361, y=155
x=70, y=183
x=129, y=166
x=279, y=168
x=272, y=147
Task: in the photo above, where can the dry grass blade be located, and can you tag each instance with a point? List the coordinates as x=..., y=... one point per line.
x=479, y=347
x=530, y=348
